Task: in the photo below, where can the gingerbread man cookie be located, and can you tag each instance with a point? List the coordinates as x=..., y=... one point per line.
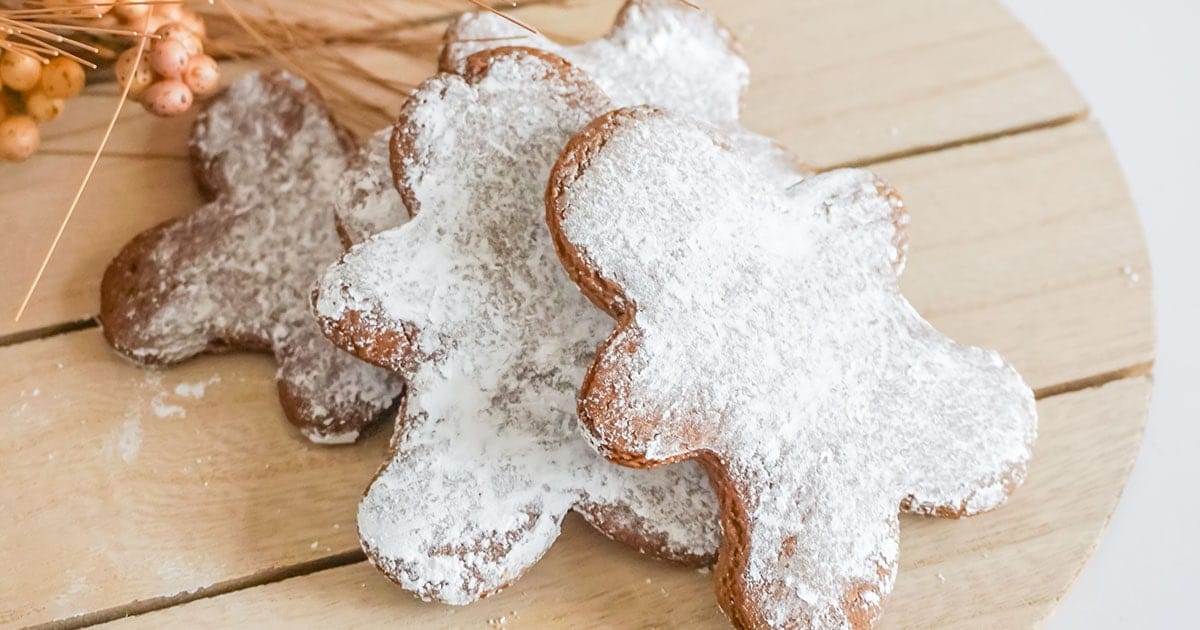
x=661, y=52
x=764, y=335
x=468, y=301
x=237, y=272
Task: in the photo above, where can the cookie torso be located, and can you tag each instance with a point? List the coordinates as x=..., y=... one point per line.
x=495, y=340
x=763, y=333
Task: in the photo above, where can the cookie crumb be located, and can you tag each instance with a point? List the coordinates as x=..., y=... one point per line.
x=1134, y=277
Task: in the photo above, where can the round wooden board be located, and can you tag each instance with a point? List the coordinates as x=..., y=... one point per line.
x=1024, y=239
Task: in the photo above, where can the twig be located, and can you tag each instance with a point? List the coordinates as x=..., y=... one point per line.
x=83, y=185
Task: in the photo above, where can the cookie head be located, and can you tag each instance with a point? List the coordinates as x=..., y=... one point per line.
x=761, y=331
x=456, y=134
x=660, y=52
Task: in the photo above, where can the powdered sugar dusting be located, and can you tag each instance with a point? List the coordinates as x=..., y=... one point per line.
x=659, y=52
x=489, y=456
x=239, y=271
x=770, y=332
x=197, y=389
x=368, y=203
x=129, y=438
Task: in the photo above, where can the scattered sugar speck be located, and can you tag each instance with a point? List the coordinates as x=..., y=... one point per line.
x=163, y=409
x=195, y=390
x=314, y=545
x=941, y=578
x=129, y=438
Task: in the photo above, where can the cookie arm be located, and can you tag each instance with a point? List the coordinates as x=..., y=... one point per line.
x=351, y=302
x=698, y=66
x=157, y=303
x=327, y=394
x=972, y=421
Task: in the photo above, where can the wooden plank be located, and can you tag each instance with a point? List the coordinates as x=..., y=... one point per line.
x=1005, y=569
x=124, y=484
x=1045, y=212
x=920, y=75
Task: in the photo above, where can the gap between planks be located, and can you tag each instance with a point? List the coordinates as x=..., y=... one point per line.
x=270, y=576
x=917, y=151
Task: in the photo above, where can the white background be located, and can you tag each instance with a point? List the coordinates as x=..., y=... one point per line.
x=1137, y=62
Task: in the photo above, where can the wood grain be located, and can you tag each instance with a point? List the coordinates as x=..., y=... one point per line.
x=987, y=264
x=1005, y=569
x=919, y=75
x=124, y=484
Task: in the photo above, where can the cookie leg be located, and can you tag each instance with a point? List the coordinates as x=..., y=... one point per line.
x=445, y=523
x=326, y=393
x=669, y=512
x=624, y=432
x=974, y=449
x=803, y=551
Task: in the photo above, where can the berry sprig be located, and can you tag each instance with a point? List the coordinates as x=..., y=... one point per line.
x=174, y=71
x=36, y=79
x=30, y=93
